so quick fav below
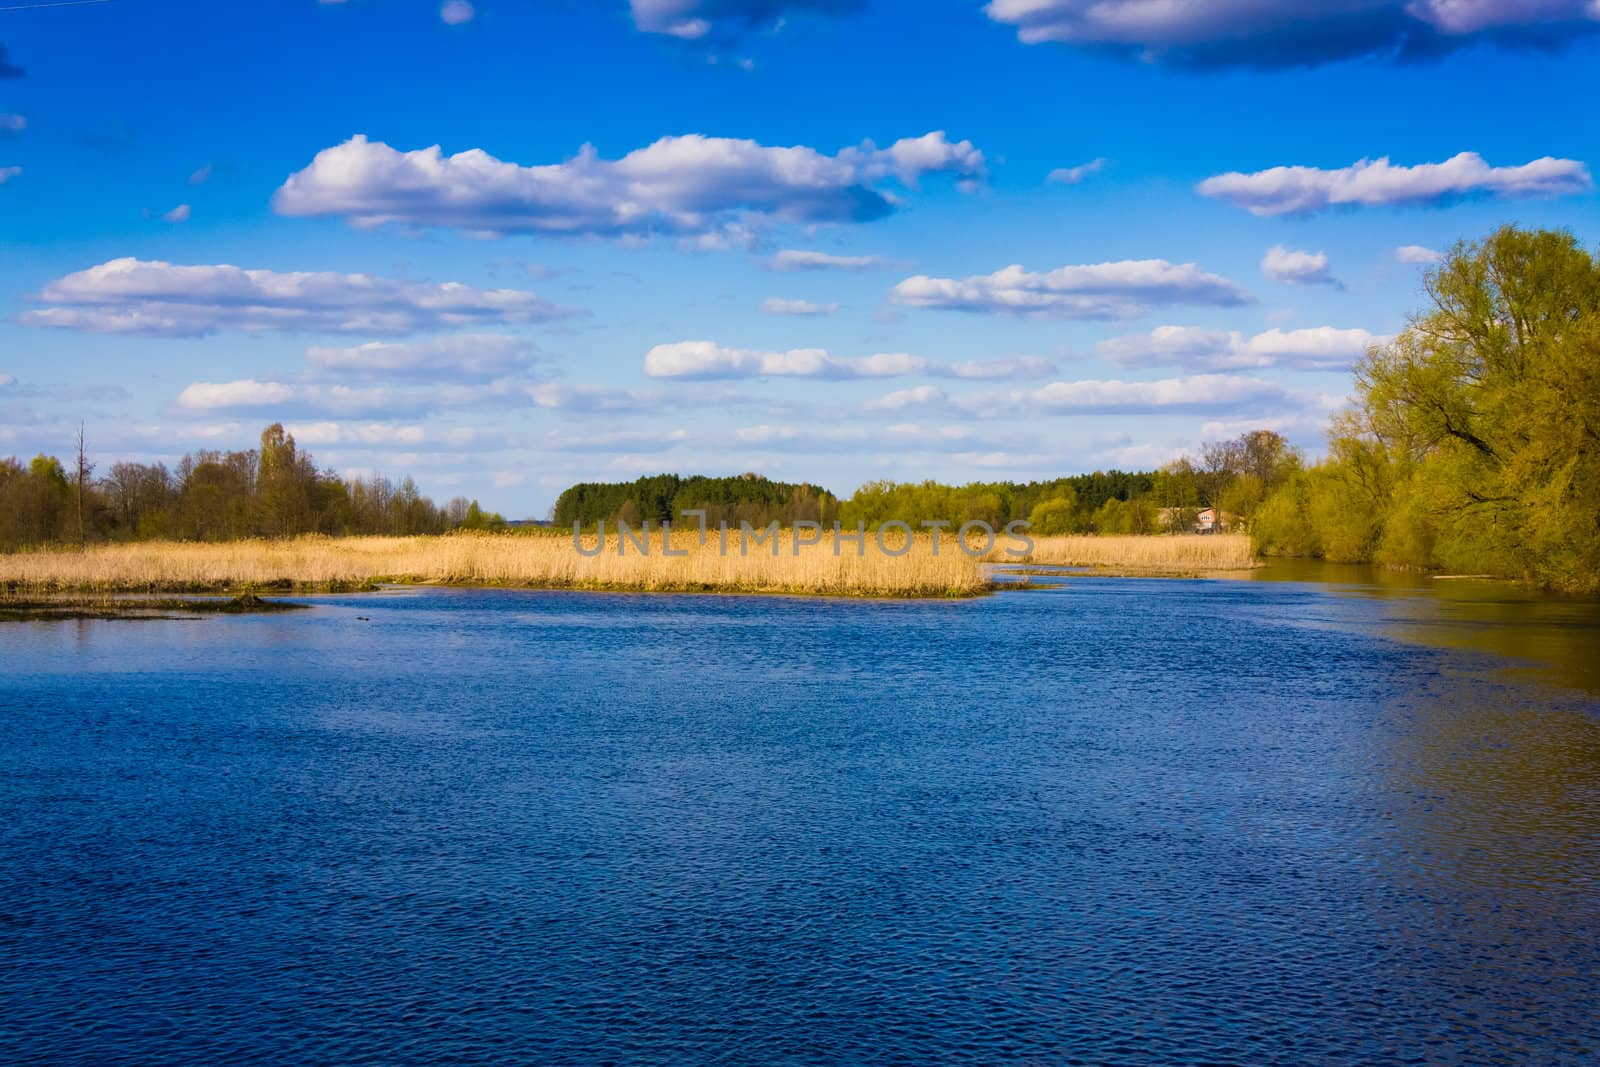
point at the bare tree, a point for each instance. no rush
(85, 468)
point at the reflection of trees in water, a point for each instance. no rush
(1487, 809)
(1554, 638)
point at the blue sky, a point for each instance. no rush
(217, 216)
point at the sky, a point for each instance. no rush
(507, 245)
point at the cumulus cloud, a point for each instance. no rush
(11, 124)
(915, 397)
(901, 437)
(178, 214)
(365, 434)
(1193, 392)
(1075, 175)
(691, 20)
(1210, 393)
(803, 308)
(1297, 268)
(152, 297)
(7, 379)
(456, 12)
(630, 441)
(790, 259)
(1417, 254)
(201, 174)
(467, 357)
(1374, 183)
(1091, 291)
(278, 399)
(1005, 368)
(1195, 349)
(1202, 34)
(7, 173)
(709, 361)
(687, 187)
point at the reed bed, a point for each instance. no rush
(1161, 554)
(499, 560)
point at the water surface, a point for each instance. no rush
(1113, 822)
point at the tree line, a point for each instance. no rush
(662, 498)
(1473, 443)
(276, 490)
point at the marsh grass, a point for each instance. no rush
(321, 563)
(1161, 554)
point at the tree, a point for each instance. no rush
(1474, 440)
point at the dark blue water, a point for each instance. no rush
(1121, 822)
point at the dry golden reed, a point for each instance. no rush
(503, 559)
(1162, 554)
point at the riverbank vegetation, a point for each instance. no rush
(1473, 444)
(276, 490)
(1189, 555)
(551, 562)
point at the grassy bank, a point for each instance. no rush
(1154, 555)
(315, 563)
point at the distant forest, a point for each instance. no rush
(1115, 501)
(276, 490)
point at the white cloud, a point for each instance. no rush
(1005, 368)
(630, 441)
(201, 175)
(1281, 33)
(1075, 175)
(1297, 268)
(687, 187)
(11, 124)
(245, 393)
(456, 12)
(7, 173)
(466, 357)
(790, 259)
(1371, 183)
(7, 379)
(178, 214)
(1193, 348)
(1209, 393)
(138, 296)
(691, 20)
(918, 396)
(1092, 291)
(1305, 426)
(1417, 254)
(366, 434)
(1186, 393)
(281, 399)
(709, 361)
(804, 308)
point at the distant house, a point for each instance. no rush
(1189, 520)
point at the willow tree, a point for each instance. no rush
(1486, 411)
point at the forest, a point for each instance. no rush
(662, 498)
(275, 490)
